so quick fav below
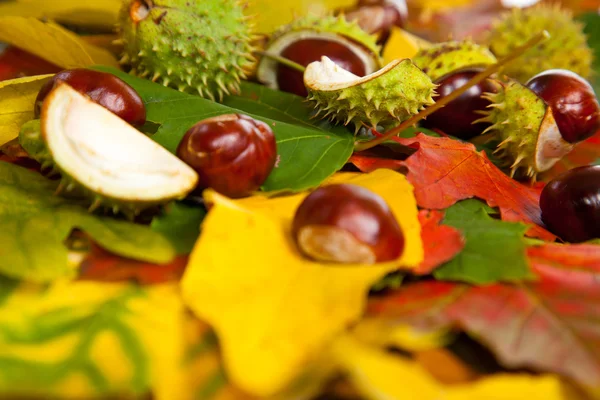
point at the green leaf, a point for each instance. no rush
(34, 224)
(494, 250)
(180, 223)
(307, 154)
(7, 286)
(591, 23)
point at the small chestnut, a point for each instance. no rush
(458, 117)
(347, 224)
(379, 17)
(306, 51)
(232, 154)
(572, 100)
(571, 204)
(103, 88)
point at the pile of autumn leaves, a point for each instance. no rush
(289, 327)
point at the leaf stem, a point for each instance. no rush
(480, 77)
(282, 60)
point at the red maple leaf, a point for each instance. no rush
(100, 265)
(444, 171)
(552, 324)
(15, 63)
(441, 242)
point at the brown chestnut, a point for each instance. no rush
(458, 117)
(306, 51)
(379, 17)
(347, 224)
(232, 154)
(103, 88)
(572, 100)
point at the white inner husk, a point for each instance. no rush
(107, 155)
(551, 147)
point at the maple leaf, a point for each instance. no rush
(444, 171)
(441, 243)
(101, 265)
(16, 63)
(549, 325)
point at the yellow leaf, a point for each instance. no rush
(16, 104)
(52, 43)
(380, 375)
(270, 15)
(97, 13)
(402, 44)
(273, 310)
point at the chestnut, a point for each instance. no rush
(458, 117)
(347, 224)
(103, 88)
(572, 100)
(232, 153)
(571, 204)
(306, 51)
(379, 17)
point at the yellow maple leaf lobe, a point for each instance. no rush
(273, 310)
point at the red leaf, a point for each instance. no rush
(368, 163)
(552, 324)
(101, 265)
(15, 63)
(444, 171)
(584, 153)
(441, 242)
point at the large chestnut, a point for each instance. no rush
(347, 224)
(571, 204)
(572, 100)
(103, 88)
(232, 154)
(306, 51)
(458, 117)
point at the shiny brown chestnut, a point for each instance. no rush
(232, 154)
(103, 88)
(458, 117)
(572, 100)
(347, 224)
(378, 17)
(571, 204)
(306, 51)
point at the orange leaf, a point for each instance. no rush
(441, 243)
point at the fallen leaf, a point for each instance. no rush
(180, 223)
(402, 44)
(444, 171)
(445, 367)
(91, 14)
(53, 43)
(441, 243)
(16, 104)
(380, 375)
(101, 265)
(34, 224)
(547, 325)
(274, 310)
(16, 63)
(585, 153)
(494, 251)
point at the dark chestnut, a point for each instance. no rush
(572, 100)
(232, 154)
(571, 204)
(458, 117)
(306, 51)
(347, 224)
(379, 17)
(103, 88)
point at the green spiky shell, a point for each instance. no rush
(32, 141)
(385, 98)
(446, 57)
(330, 24)
(516, 114)
(196, 46)
(328, 28)
(567, 47)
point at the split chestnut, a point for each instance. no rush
(102, 88)
(232, 154)
(347, 224)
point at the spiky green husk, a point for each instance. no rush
(30, 138)
(567, 47)
(384, 98)
(446, 57)
(516, 115)
(195, 46)
(330, 24)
